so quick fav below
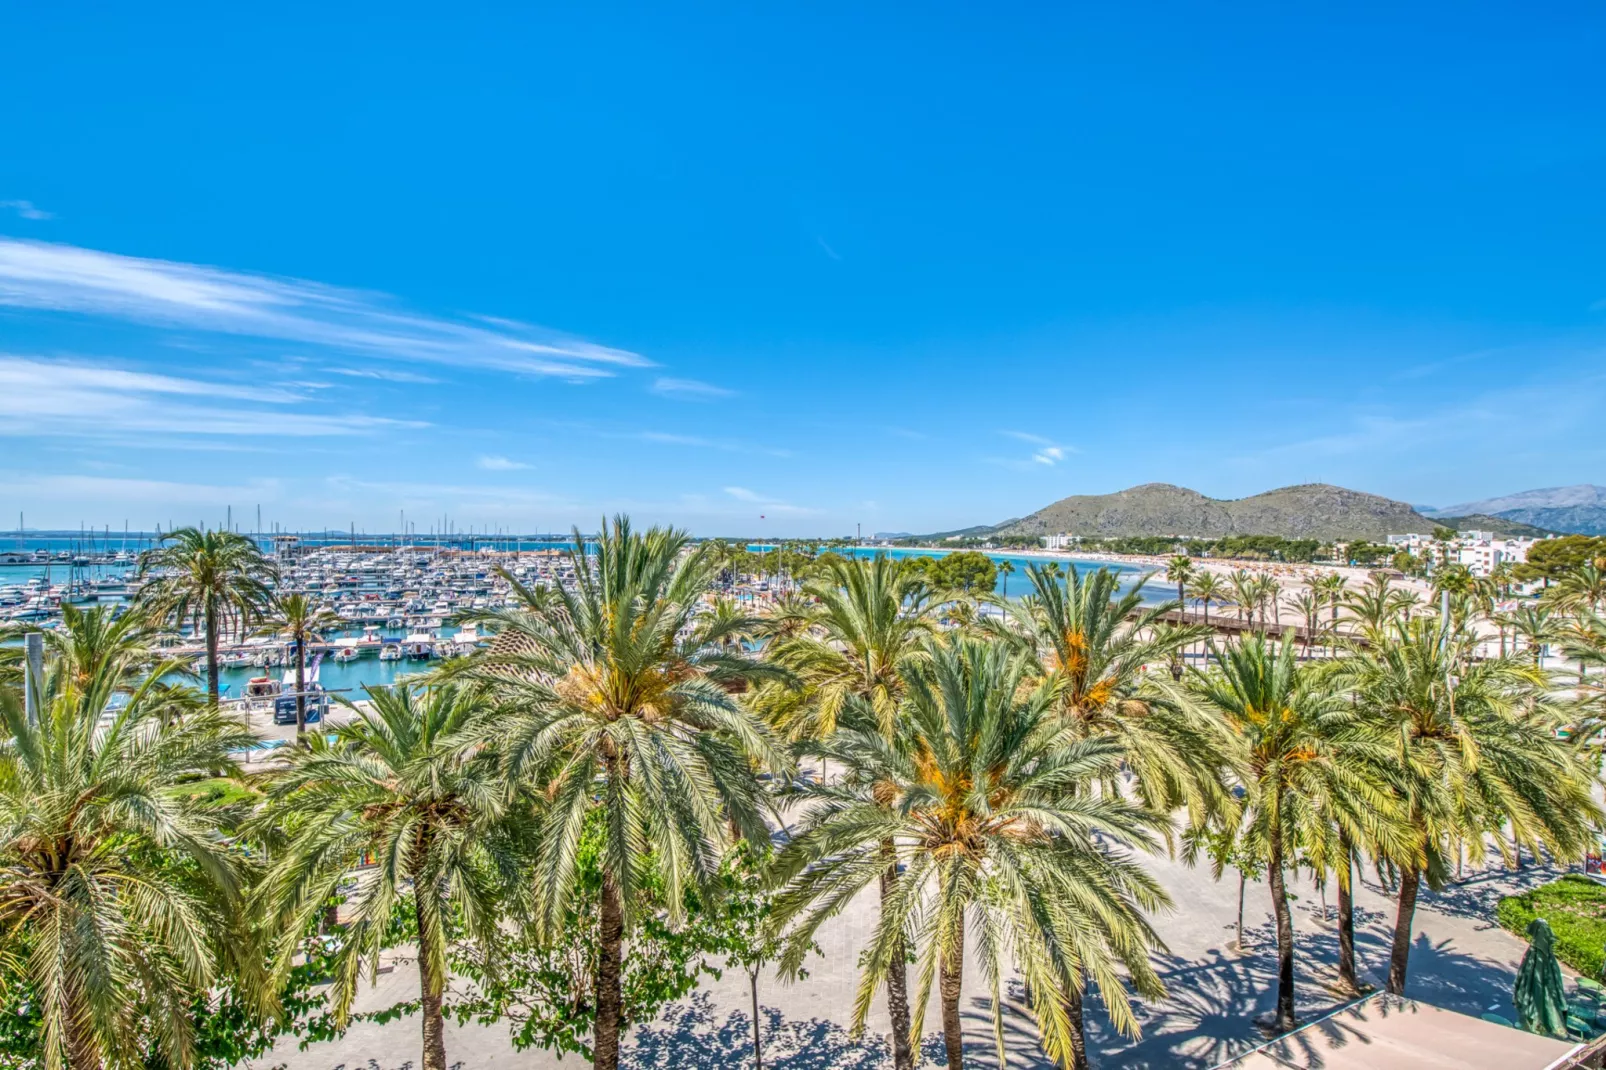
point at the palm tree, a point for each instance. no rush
(119, 900)
(1179, 570)
(304, 622)
(870, 621)
(405, 781)
(94, 643)
(1245, 594)
(618, 695)
(1374, 606)
(1006, 569)
(1204, 588)
(214, 579)
(1287, 734)
(1094, 648)
(1536, 625)
(1267, 590)
(1330, 586)
(1582, 586)
(997, 821)
(1475, 747)
(1309, 604)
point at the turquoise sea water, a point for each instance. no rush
(1018, 585)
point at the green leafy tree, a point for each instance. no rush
(406, 783)
(543, 983)
(1549, 559)
(618, 695)
(212, 579)
(995, 820)
(967, 572)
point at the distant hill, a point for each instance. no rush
(1499, 525)
(1307, 511)
(1578, 509)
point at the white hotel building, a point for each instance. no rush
(1479, 551)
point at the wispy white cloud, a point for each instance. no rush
(769, 504)
(155, 493)
(493, 463)
(27, 210)
(826, 246)
(67, 278)
(670, 438)
(1048, 455)
(389, 375)
(76, 398)
(690, 389)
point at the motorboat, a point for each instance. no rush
(317, 699)
(390, 652)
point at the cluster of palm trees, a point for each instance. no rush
(991, 780)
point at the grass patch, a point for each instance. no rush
(1575, 906)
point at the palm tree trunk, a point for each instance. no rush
(301, 689)
(609, 995)
(1285, 936)
(1073, 1012)
(212, 690)
(1346, 920)
(1400, 956)
(431, 986)
(950, 974)
(897, 973)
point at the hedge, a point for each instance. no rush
(1575, 906)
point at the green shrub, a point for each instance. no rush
(1575, 906)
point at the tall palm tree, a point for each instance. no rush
(305, 622)
(1475, 747)
(1288, 735)
(618, 695)
(1206, 587)
(869, 623)
(404, 781)
(119, 899)
(213, 579)
(1267, 590)
(1179, 570)
(997, 822)
(1006, 569)
(1093, 649)
(1309, 604)
(1245, 593)
(1330, 587)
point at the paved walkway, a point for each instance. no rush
(1460, 960)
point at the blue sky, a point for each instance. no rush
(910, 267)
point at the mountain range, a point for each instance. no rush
(1580, 508)
(1307, 511)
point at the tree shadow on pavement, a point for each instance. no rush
(694, 1034)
